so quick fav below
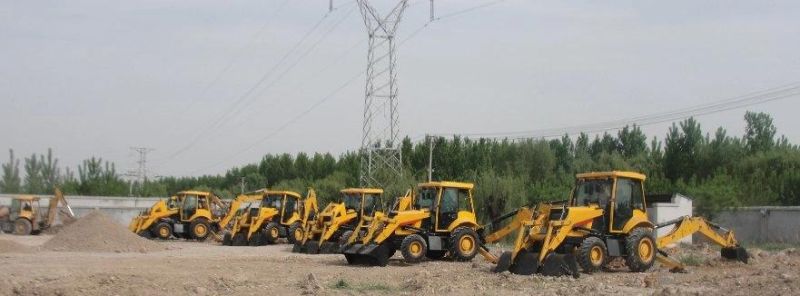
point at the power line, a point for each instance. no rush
(750, 99)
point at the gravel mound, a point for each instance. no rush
(97, 232)
(7, 246)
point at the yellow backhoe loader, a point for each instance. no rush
(604, 218)
(323, 234)
(23, 216)
(189, 214)
(440, 222)
(279, 214)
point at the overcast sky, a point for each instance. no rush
(93, 78)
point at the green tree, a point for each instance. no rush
(759, 133)
(11, 182)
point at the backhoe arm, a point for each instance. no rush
(58, 197)
(521, 217)
(310, 206)
(686, 226)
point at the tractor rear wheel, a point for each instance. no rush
(592, 254)
(162, 230)
(463, 244)
(22, 226)
(271, 233)
(641, 248)
(200, 229)
(413, 248)
(296, 233)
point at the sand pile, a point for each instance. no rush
(97, 232)
(7, 246)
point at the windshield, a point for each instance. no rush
(189, 202)
(596, 191)
(371, 202)
(426, 198)
(352, 201)
(272, 201)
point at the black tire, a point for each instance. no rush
(345, 237)
(641, 249)
(257, 239)
(464, 244)
(413, 248)
(592, 254)
(436, 255)
(162, 230)
(22, 226)
(271, 233)
(227, 239)
(291, 236)
(199, 229)
(240, 239)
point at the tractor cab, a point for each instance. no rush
(620, 195)
(192, 202)
(25, 206)
(286, 203)
(362, 201)
(449, 203)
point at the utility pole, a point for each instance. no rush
(430, 157)
(141, 171)
(381, 159)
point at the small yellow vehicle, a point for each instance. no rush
(604, 218)
(323, 234)
(188, 214)
(279, 214)
(24, 217)
(440, 223)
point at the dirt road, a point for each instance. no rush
(191, 268)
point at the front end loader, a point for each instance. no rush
(24, 217)
(605, 218)
(279, 214)
(440, 223)
(323, 234)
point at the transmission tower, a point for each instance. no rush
(140, 173)
(380, 143)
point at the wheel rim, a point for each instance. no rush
(163, 232)
(596, 255)
(298, 234)
(200, 230)
(645, 249)
(415, 248)
(274, 232)
(20, 228)
(466, 244)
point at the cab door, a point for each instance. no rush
(628, 199)
(289, 208)
(189, 207)
(451, 201)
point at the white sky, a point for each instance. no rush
(92, 78)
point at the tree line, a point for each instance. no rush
(716, 169)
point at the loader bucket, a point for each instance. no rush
(372, 254)
(735, 253)
(329, 248)
(526, 263)
(504, 262)
(311, 247)
(560, 265)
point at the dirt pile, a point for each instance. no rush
(7, 246)
(97, 232)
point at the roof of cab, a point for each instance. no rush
(611, 174)
(194, 192)
(25, 197)
(461, 185)
(362, 190)
(282, 192)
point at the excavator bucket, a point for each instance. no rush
(560, 265)
(328, 248)
(526, 263)
(504, 262)
(735, 253)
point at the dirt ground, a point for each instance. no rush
(193, 268)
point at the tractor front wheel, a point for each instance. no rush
(413, 248)
(162, 230)
(592, 254)
(22, 226)
(271, 233)
(296, 233)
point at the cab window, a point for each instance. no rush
(597, 191)
(628, 197)
(190, 202)
(291, 203)
(352, 201)
(426, 197)
(272, 201)
(370, 203)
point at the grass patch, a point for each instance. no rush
(343, 284)
(692, 260)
